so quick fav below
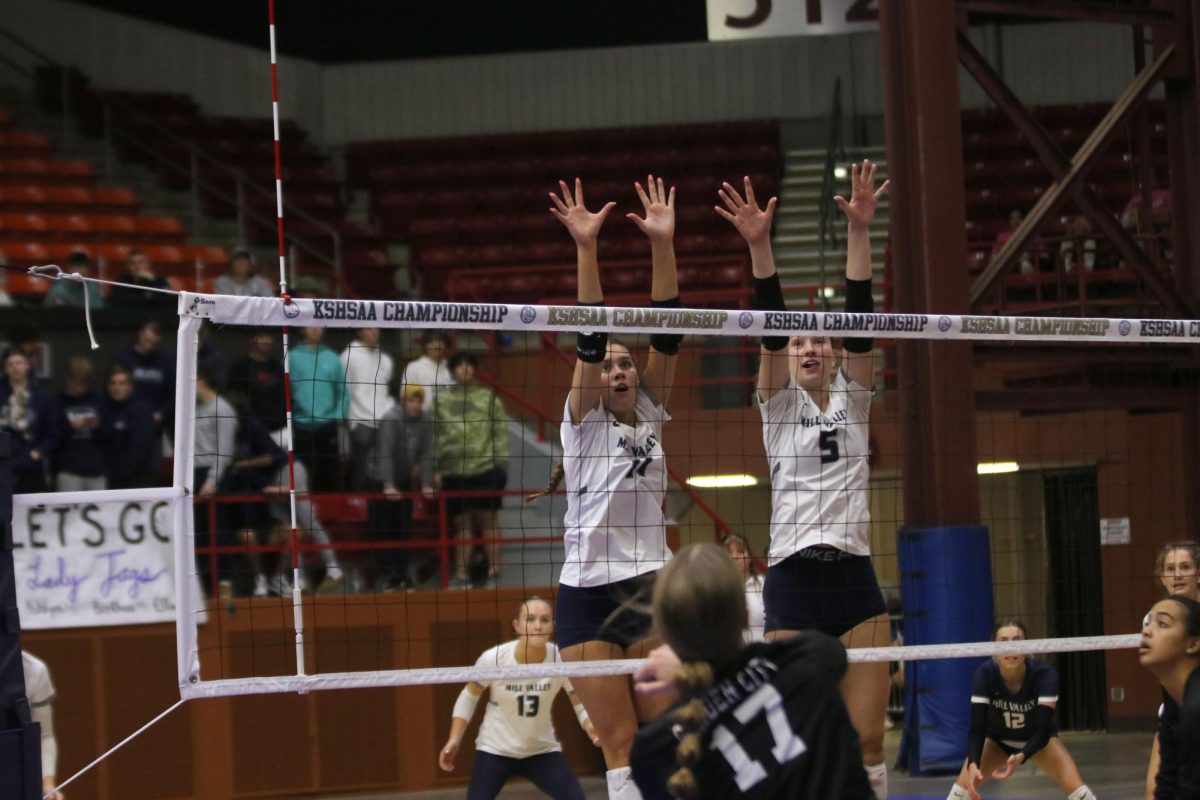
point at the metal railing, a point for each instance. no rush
(835, 153)
(114, 112)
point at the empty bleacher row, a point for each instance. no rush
(52, 207)
(161, 129)
(474, 209)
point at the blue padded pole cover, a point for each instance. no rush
(946, 591)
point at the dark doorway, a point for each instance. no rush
(1076, 598)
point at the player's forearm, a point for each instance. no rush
(858, 252)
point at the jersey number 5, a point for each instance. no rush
(527, 705)
(747, 771)
(829, 447)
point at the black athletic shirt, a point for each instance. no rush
(1179, 745)
(777, 727)
(1010, 713)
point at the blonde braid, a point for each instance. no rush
(692, 681)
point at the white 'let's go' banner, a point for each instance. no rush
(752, 19)
(94, 564)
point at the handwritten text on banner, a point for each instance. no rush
(96, 564)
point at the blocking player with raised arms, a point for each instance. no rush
(762, 720)
(613, 462)
(1012, 721)
(1176, 569)
(1170, 650)
(517, 736)
(815, 432)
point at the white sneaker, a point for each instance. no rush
(281, 585)
(260, 585)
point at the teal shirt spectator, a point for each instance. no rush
(318, 386)
(70, 293)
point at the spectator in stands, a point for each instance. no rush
(318, 407)
(255, 462)
(216, 423)
(28, 339)
(211, 356)
(153, 372)
(308, 524)
(129, 434)
(79, 456)
(140, 272)
(241, 279)
(27, 413)
(430, 370)
(1078, 244)
(258, 377)
(368, 372)
(1160, 212)
(1030, 257)
(400, 461)
(470, 449)
(71, 293)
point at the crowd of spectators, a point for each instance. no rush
(395, 435)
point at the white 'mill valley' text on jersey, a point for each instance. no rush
(819, 469)
(517, 721)
(616, 477)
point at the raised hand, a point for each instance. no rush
(660, 209)
(860, 208)
(975, 780)
(752, 222)
(583, 225)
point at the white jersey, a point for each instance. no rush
(517, 721)
(39, 689)
(756, 615)
(819, 469)
(616, 477)
(368, 372)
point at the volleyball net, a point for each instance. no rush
(345, 529)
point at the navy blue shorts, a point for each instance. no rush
(821, 588)
(618, 613)
(550, 772)
(494, 480)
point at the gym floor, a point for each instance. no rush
(1113, 764)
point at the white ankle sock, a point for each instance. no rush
(1082, 793)
(621, 785)
(877, 775)
(958, 793)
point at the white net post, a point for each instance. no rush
(183, 511)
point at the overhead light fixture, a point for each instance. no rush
(828, 291)
(997, 467)
(840, 173)
(721, 481)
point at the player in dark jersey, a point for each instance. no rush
(1176, 570)
(1170, 650)
(1012, 721)
(757, 720)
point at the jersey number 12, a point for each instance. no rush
(746, 770)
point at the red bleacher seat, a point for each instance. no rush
(114, 199)
(24, 254)
(210, 255)
(23, 199)
(23, 226)
(24, 144)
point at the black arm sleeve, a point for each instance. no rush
(859, 300)
(666, 343)
(1042, 723)
(1187, 740)
(768, 296)
(1167, 779)
(591, 348)
(979, 719)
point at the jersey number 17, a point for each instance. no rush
(747, 771)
